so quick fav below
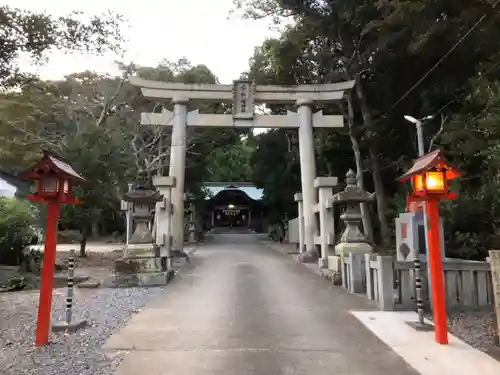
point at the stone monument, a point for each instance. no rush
(352, 240)
(141, 264)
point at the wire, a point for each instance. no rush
(440, 60)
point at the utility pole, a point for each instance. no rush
(417, 269)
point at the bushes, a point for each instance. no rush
(470, 224)
(17, 222)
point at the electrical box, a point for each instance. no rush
(411, 235)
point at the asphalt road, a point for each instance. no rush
(242, 308)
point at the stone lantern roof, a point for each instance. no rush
(142, 194)
(352, 193)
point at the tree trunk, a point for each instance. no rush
(380, 195)
(83, 241)
(377, 176)
(365, 211)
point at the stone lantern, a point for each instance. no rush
(142, 199)
(141, 264)
(353, 240)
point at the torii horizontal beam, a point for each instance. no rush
(290, 120)
(328, 92)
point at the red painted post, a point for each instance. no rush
(47, 281)
(436, 274)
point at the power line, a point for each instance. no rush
(440, 60)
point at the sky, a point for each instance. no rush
(200, 30)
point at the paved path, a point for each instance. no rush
(242, 308)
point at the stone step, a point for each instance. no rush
(137, 265)
(89, 284)
(61, 277)
(139, 279)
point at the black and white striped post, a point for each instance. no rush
(418, 288)
(69, 292)
(68, 325)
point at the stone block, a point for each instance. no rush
(345, 248)
(89, 284)
(334, 263)
(140, 279)
(141, 251)
(321, 182)
(164, 181)
(129, 266)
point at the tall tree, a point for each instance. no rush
(387, 47)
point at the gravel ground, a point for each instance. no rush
(76, 354)
(474, 327)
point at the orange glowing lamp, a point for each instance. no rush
(429, 176)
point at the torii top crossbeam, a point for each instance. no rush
(243, 95)
(257, 93)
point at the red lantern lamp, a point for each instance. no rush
(429, 176)
(54, 179)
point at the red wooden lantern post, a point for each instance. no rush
(54, 179)
(430, 175)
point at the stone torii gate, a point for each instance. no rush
(243, 95)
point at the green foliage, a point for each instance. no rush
(24, 31)
(276, 169)
(17, 282)
(17, 219)
(231, 162)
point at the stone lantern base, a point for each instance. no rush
(141, 266)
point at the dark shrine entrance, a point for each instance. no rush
(232, 217)
(233, 206)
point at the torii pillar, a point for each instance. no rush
(307, 175)
(177, 169)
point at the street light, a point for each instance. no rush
(420, 132)
(413, 120)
